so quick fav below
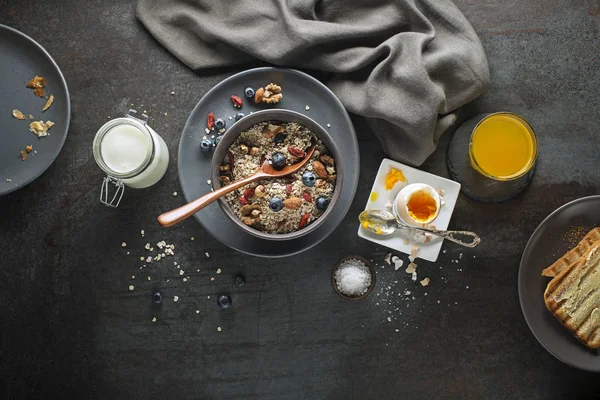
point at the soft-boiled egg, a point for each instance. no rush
(417, 204)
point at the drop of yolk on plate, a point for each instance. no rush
(393, 177)
(374, 196)
(421, 206)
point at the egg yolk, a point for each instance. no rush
(393, 177)
(374, 196)
(421, 206)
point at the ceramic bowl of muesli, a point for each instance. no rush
(281, 208)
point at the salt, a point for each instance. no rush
(353, 277)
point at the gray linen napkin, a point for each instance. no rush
(400, 63)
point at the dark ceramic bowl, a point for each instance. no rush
(371, 270)
(284, 116)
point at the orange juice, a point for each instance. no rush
(503, 146)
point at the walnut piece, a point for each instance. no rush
(271, 94)
(18, 114)
(40, 128)
(48, 103)
(38, 83)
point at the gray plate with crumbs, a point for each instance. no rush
(21, 58)
(299, 90)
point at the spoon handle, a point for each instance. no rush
(177, 215)
(454, 236)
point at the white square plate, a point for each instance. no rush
(397, 241)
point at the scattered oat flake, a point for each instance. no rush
(425, 282)
(398, 264)
(307, 108)
(389, 319)
(123, 244)
(148, 278)
(219, 328)
(18, 114)
(174, 193)
(212, 278)
(218, 270)
(175, 298)
(185, 279)
(153, 319)
(181, 272)
(131, 287)
(207, 255)
(415, 251)
(48, 103)
(412, 267)
(329, 125)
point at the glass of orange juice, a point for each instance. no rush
(503, 147)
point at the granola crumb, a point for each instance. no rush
(181, 272)
(207, 255)
(153, 319)
(132, 276)
(218, 328)
(212, 278)
(209, 181)
(123, 244)
(425, 282)
(148, 278)
(131, 287)
(218, 270)
(175, 298)
(197, 311)
(8, 180)
(174, 194)
(329, 125)
(307, 107)
(192, 238)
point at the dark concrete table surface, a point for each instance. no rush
(71, 328)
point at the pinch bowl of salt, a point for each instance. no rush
(353, 278)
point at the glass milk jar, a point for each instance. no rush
(131, 154)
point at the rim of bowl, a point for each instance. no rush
(282, 115)
(369, 265)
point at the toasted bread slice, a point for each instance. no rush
(574, 254)
(573, 296)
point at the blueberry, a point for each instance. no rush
(278, 160)
(239, 116)
(279, 138)
(218, 139)
(224, 301)
(220, 123)
(309, 179)
(206, 145)
(322, 203)
(276, 204)
(240, 280)
(157, 297)
(249, 92)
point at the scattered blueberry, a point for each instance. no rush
(278, 160)
(224, 301)
(240, 280)
(276, 204)
(279, 138)
(239, 116)
(249, 92)
(322, 203)
(206, 145)
(220, 123)
(157, 297)
(309, 179)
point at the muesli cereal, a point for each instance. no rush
(280, 205)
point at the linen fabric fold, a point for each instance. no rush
(402, 64)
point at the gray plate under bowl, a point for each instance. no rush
(544, 247)
(299, 90)
(21, 58)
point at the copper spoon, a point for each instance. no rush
(265, 171)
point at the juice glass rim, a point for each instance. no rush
(529, 164)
